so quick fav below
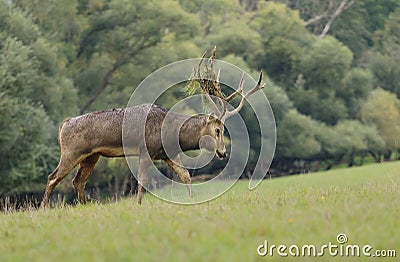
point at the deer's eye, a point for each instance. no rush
(217, 131)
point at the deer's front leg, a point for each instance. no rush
(181, 171)
(144, 164)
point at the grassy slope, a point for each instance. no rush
(362, 202)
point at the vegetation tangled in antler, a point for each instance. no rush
(205, 81)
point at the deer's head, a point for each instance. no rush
(213, 137)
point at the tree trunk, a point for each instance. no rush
(342, 7)
(376, 156)
(351, 159)
(134, 184)
(387, 154)
(116, 188)
(106, 81)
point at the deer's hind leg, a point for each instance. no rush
(66, 164)
(82, 175)
(181, 171)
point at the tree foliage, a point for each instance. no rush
(334, 90)
(382, 110)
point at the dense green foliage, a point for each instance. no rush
(335, 96)
(361, 202)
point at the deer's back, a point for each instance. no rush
(101, 132)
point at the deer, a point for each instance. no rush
(83, 139)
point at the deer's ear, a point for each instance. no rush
(211, 117)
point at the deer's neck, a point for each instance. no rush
(191, 132)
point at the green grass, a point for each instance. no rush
(363, 202)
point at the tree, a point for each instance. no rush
(212, 13)
(24, 133)
(226, 25)
(57, 19)
(326, 108)
(384, 60)
(297, 136)
(297, 143)
(357, 26)
(322, 69)
(32, 67)
(249, 5)
(382, 109)
(325, 65)
(283, 37)
(31, 90)
(280, 102)
(354, 26)
(346, 140)
(123, 33)
(354, 89)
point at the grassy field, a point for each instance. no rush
(362, 202)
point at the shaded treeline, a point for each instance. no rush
(333, 68)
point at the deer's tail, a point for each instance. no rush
(59, 129)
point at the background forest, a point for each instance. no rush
(333, 75)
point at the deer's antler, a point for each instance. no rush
(210, 85)
(203, 80)
(240, 91)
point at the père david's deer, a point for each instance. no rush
(83, 139)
